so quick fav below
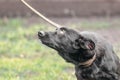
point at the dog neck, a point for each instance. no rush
(88, 62)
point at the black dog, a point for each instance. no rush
(92, 55)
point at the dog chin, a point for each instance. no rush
(50, 45)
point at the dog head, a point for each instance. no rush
(66, 40)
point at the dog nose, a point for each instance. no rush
(41, 33)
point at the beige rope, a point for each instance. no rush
(42, 16)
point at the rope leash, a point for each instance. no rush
(40, 15)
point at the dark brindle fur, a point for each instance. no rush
(92, 55)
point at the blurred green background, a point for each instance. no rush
(23, 57)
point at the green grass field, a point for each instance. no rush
(23, 57)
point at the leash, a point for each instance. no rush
(40, 15)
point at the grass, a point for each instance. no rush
(23, 57)
(92, 25)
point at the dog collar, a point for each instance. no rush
(88, 62)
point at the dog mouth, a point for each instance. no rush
(44, 38)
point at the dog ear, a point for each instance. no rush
(84, 44)
(87, 44)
